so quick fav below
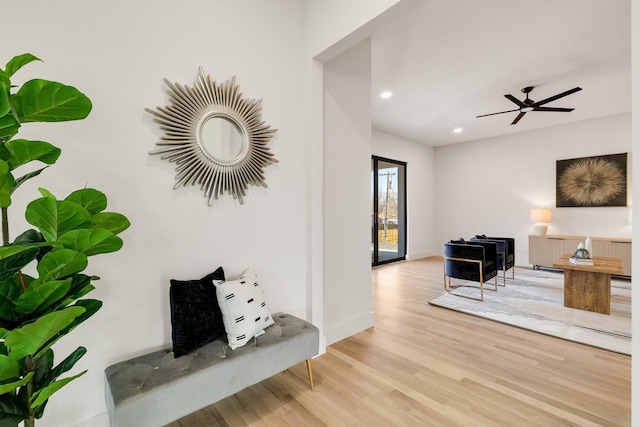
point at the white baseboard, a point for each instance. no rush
(101, 420)
(418, 255)
(323, 345)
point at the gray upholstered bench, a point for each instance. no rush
(157, 388)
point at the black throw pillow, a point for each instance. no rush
(195, 315)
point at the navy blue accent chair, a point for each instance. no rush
(475, 261)
(506, 254)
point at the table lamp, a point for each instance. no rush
(541, 216)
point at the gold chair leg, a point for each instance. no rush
(445, 282)
(481, 282)
(504, 270)
(310, 373)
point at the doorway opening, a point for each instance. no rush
(388, 213)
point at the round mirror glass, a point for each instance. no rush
(222, 139)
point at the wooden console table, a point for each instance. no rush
(545, 250)
(588, 287)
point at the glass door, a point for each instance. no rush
(388, 213)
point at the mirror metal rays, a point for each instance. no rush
(215, 136)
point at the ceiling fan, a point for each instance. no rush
(530, 105)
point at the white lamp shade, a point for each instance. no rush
(541, 215)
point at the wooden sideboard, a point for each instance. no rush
(545, 250)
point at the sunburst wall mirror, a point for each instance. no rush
(216, 137)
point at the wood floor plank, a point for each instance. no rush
(429, 366)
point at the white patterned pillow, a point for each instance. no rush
(244, 311)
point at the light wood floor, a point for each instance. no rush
(422, 365)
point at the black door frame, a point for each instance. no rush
(402, 211)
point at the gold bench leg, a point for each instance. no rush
(310, 373)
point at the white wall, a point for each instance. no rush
(488, 187)
(336, 25)
(420, 189)
(347, 208)
(118, 52)
(333, 27)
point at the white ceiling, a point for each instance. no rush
(449, 61)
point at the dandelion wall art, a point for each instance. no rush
(592, 181)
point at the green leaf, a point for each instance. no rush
(14, 258)
(74, 295)
(10, 291)
(4, 153)
(6, 184)
(90, 306)
(8, 368)
(18, 62)
(46, 101)
(12, 410)
(30, 338)
(8, 126)
(59, 293)
(41, 396)
(34, 239)
(91, 242)
(66, 365)
(5, 105)
(54, 218)
(9, 387)
(29, 237)
(24, 151)
(47, 193)
(112, 221)
(42, 369)
(80, 286)
(6, 81)
(26, 177)
(40, 296)
(82, 280)
(61, 263)
(43, 214)
(92, 200)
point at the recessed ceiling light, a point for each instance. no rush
(457, 130)
(385, 95)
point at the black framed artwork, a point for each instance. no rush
(592, 181)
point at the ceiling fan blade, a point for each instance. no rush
(501, 112)
(515, 100)
(518, 117)
(559, 110)
(558, 96)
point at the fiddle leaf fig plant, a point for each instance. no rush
(43, 282)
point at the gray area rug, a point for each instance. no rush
(534, 300)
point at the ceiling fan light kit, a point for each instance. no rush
(529, 105)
